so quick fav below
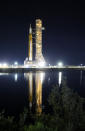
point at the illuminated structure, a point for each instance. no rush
(30, 53)
(29, 59)
(39, 57)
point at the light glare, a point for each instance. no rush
(5, 65)
(60, 64)
(15, 63)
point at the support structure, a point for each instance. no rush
(39, 57)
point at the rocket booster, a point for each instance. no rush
(30, 45)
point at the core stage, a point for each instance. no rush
(22, 69)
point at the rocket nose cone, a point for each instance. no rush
(30, 29)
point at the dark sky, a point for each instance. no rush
(63, 38)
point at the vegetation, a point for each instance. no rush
(67, 114)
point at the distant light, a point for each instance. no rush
(60, 64)
(4, 64)
(15, 63)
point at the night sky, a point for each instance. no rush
(63, 38)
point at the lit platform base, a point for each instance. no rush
(22, 69)
(29, 64)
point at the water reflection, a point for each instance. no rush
(29, 78)
(59, 78)
(1, 74)
(81, 78)
(38, 78)
(16, 77)
(30, 83)
(28, 92)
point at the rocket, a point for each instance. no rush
(30, 52)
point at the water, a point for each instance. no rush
(32, 89)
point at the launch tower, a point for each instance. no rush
(39, 57)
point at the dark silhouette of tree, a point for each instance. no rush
(67, 114)
(68, 107)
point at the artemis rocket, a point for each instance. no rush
(30, 45)
(39, 56)
(39, 59)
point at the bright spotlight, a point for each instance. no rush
(60, 64)
(16, 63)
(5, 64)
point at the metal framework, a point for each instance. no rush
(39, 56)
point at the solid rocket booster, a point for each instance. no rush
(30, 45)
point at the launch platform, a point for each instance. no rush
(39, 59)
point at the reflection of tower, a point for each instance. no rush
(30, 52)
(38, 81)
(39, 57)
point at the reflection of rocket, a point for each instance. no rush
(39, 77)
(30, 89)
(30, 45)
(29, 78)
